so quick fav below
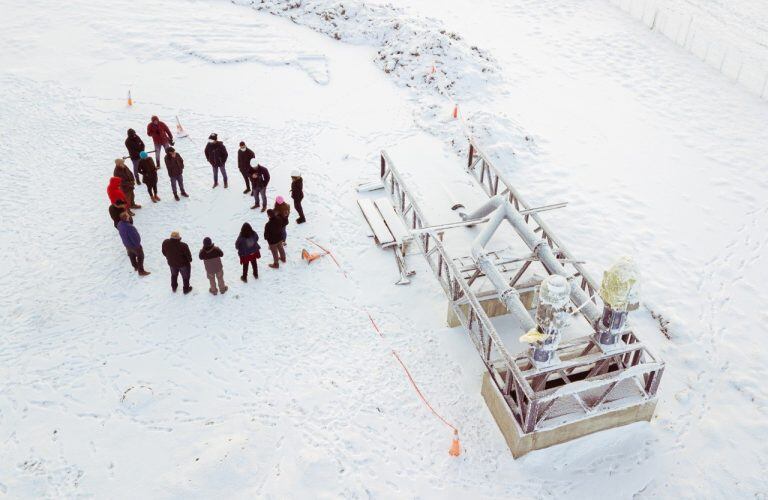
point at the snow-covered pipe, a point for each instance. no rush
(509, 296)
(503, 209)
(486, 208)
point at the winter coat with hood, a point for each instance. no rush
(261, 178)
(297, 188)
(176, 252)
(115, 212)
(129, 234)
(244, 159)
(175, 165)
(211, 257)
(216, 153)
(134, 144)
(159, 132)
(127, 182)
(114, 192)
(247, 245)
(148, 169)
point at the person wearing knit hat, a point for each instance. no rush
(297, 193)
(244, 157)
(148, 170)
(273, 233)
(282, 212)
(216, 154)
(178, 256)
(127, 182)
(211, 256)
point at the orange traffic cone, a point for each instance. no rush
(455, 450)
(309, 257)
(455, 110)
(130, 101)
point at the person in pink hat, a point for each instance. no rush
(282, 212)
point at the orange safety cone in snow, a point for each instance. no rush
(130, 101)
(309, 257)
(455, 110)
(455, 450)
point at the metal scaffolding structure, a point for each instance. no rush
(585, 377)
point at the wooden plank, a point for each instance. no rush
(376, 222)
(393, 222)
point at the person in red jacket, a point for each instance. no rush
(116, 193)
(161, 136)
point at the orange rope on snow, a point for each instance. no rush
(421, 395)
(455, 448)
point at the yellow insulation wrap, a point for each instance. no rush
(620, 284)
(533, 335)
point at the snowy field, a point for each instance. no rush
(111, 386)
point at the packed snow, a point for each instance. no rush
(113, 386)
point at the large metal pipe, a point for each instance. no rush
(503, 209)
(509, 296)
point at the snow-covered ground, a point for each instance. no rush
(112, 386)
(727, 35)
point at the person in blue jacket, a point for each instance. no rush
(247, 245)
(132, 242)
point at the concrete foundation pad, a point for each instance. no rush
(520, 444)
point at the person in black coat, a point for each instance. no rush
(297, 193)
(259, 179)
(175, 165)
(178, 256)
(273, 233)
(244, 157)
(216, 154)
(135, 146)
(148, 171)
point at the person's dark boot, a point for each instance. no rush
(282, 259)
(264, 209)
(135, 207)
(244, 278)
(275, 265)
(255, 207)
(184, 194)
(215, 184)
(256, 275)
(247, 191)
(176, 197)
(174, 288)
(187, 289)
(301, 220)
(225, 184)
(142, 272)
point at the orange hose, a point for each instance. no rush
(396, 356)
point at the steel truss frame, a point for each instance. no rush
(587, 381)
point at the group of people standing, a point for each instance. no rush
(177, 253)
